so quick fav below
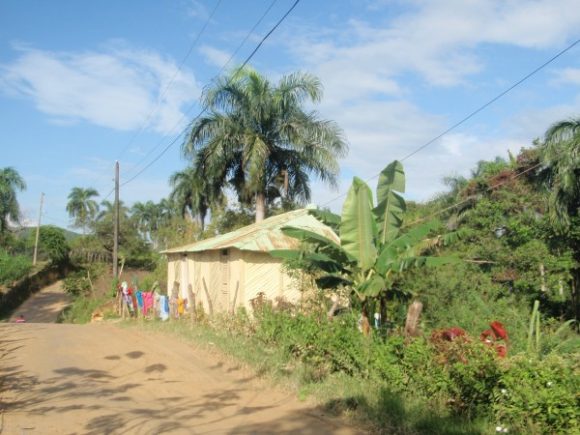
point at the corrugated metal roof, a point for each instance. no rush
(263, 236)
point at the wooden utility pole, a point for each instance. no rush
(37, 230)
(116, 225)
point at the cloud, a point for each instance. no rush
(118, 87)
(568, 76)
(214, 56)
(377, 73)
(435, 41)
(197, 9)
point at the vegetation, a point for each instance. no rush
(10, 183)
(12, 267)
(372, 253)
(514, 262)
(258, 139)
(81, 207)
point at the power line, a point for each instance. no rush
(475, 112)
(166, 88)
(192, 106)
(177, 71)
(471, 197)
(205, 108)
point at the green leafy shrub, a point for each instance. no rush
(535, 395)
(12, 268)
(77, 283)
(53, 243)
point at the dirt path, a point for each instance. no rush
(44, 306)
(100, 379)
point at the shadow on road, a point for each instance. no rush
(111, 402)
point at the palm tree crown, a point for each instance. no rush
(10, 183)
(81, 207)
(560, 156)
(258, 138)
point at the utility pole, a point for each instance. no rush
(116, 225)
(37, 230)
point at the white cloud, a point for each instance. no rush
(367, 70)
(568, 76)
(196, 9)
(434, 40)
(214, 56)
(116, 88)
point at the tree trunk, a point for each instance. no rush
(365, 325)
(412, 322)
(260, 206)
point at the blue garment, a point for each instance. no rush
(163, 307)
(139, 297)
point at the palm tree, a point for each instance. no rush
(10, 183)
(258, 138)
(107, 211)
(192, 194)
(81, 207)
(143, 215)
(560, 173)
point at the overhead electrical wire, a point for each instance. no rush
(192, 106)
(475, 112)
(168, 85)
(248, 58)
(250, 32)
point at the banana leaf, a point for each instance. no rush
(358, 228)
(391, 206)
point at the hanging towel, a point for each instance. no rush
(147, 301)
(163, 308)
(139, 296)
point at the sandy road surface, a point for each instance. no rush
(45, 305)
(100, 379)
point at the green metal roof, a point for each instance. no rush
(262, 236)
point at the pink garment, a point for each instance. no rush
(147, 301)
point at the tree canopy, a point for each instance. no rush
(259, 139)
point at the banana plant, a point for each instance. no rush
(373, 251)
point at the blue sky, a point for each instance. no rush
(85, 83)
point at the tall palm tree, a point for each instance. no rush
(143, 215)
(560, 173)
(259, 138)
(192, 194)
(10, 183)
(81, 207)
(107, 211)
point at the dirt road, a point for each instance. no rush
(44, 306)
(101, 379)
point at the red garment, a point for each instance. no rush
(147, 301)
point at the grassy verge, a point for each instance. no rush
(365, 401)
(80, 310)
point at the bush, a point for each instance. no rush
(535, 395)
(77, 283)
(12, 268)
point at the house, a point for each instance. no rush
(228, 271)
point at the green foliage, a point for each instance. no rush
(534, 396)
(77, 284)
(372, 253)
(258, 139)
(81, 309)
(52, 242)
(10, 183)
(13, 267)
(81, 207)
